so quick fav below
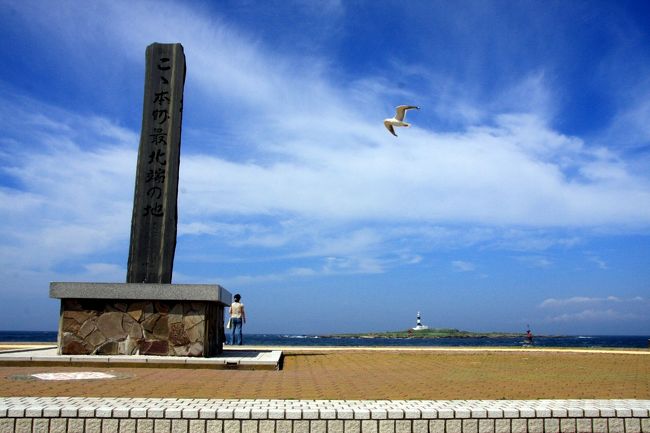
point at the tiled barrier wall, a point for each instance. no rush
(127, 415)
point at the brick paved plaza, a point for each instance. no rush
(370, 374)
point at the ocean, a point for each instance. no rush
(584, 341)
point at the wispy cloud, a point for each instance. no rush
(388, 181)
(598, 261)
(508, 169)
(535, 261)
(328, 267)
(595, 312)
(592, 315)
(463, 266)
(104, 272)
(581, 300)
(64, 200)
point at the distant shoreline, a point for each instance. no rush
(431, 337)
(434, 333)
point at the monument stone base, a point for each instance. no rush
(141, 319)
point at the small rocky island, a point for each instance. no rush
(429, 333)
(423, 331)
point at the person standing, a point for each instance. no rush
(529, 336)
(238, 316)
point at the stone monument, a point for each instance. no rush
(153, 227)
(148, 315)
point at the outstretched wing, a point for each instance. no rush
(390, 128)
(400, 111)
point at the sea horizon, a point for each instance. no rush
(299, 339)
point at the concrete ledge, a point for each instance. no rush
(229, 359)
(176, 292)
(104, 415)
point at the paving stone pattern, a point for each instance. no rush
(363, 375)
(144, 415)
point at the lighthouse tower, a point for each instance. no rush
(418, 324)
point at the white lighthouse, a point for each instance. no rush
(418, 324)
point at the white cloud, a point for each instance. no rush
(535, 261)
(596, 311)
(630, 127)
(68, 200)
(333, 158)
(104, 272)
(598, 261)
(463, 266)
(578, 300)
(330, 266)
(476, 178)
(594, 315)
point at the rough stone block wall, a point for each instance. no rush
(127, 327)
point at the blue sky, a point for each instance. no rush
(521, 195)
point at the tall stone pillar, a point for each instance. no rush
(153, 226)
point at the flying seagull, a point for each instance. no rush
(398, 120)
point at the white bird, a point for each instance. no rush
(398, 120)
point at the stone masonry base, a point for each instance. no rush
(140, 319)
(128, 415)
(140, 327)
